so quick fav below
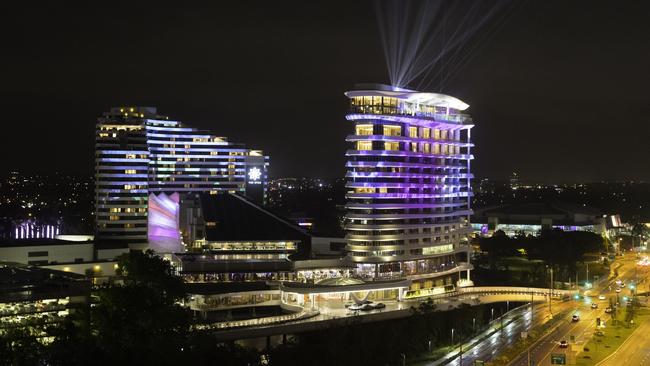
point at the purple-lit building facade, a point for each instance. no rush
(140, 154)
(408, 186)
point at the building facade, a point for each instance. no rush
(139, 152)
(408, 186)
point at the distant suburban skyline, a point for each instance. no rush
(559, 93)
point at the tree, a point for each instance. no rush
(139, 322)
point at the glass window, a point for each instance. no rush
(364, 130)
(364, 145)
(388, 145)
(391, 130)
(426, 133)
(413, 132)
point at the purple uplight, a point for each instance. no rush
(163, 228)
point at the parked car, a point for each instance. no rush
(594, 305)
(564, 344)
(575, 318)
(355, 307)
(600, 333)
(379, 305)
(367, 307)
(618, 289)
(608, 310)
(602, 297)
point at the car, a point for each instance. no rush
(618, 290)
(602, 297)
(623, 284)
(379, 305)
(564, 344)
(356, 307)
(600, 333)
(594, 305)
(608, 310)
(367, 307)
(575, 318)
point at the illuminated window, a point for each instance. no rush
(436, 134)
(383, 190)
(426, 147)
(413, 132)
(436, 148)
(210, 224)
(390, 130)
(113, 218)
(115, 209)
(414, 146)
(390, 102)
(130, 156)
(389, 145)
(129, 186)
(426, 133)
(365, 190)
(129, 171)
(364, 145)
(364, 130)
(103, 135)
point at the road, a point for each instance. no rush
(492, 346)
(581, 330)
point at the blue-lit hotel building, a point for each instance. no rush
(408, 186)
(139, 153)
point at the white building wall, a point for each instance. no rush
(61, 253)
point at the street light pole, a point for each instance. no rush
(452, 338)
(550, 297)
(460, 356)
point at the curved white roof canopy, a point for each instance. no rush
(432, 99)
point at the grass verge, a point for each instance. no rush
(600, 347)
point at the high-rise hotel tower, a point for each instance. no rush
(408, 186)
(139, 153)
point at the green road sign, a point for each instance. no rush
(558, 359)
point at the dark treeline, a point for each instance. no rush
(383, 343)
(560, 250)
(137, 322)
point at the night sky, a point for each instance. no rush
(559, 94)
